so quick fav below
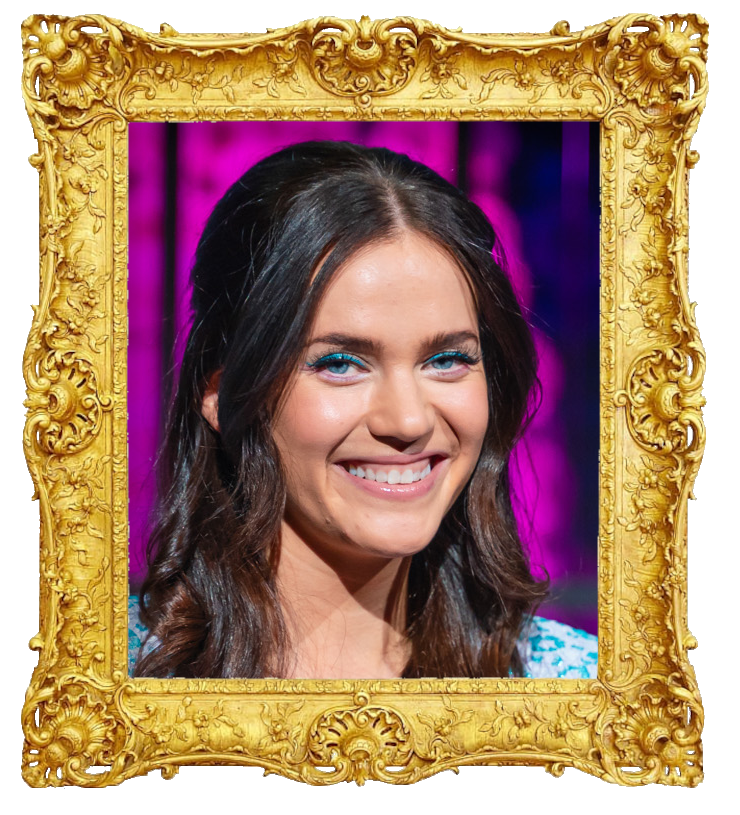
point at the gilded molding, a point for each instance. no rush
(644, 79)
(365, 59)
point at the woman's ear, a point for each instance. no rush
(209, 405)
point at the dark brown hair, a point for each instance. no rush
(210, 601)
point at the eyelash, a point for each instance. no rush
(322, 363)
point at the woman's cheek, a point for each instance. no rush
(323, 416)
(466, 409)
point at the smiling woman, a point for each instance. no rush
(379, 444)
(335, 497)
(379, 433)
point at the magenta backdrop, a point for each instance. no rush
(551, 228)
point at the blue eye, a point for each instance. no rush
(337, 364)
(443, 363)
(448, 359)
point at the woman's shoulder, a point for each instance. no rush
(557, 651)
(137, 633)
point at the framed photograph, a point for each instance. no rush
(575, 149)
(537, 182)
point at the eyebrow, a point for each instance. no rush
(364, 345)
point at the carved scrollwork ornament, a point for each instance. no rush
(664, 401)
(361, 742)
(643, 77)
(69, 66)
(659, 733)
(70, 727)
(364, 59)
(654, 66)
(65, 408)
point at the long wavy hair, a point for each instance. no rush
(210, 599)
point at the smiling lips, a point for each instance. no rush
(394, 476)
(390, 474)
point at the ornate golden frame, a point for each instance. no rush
(644, 79)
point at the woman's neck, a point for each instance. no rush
(345, 616)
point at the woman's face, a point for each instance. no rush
(383, 425)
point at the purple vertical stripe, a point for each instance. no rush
(539, 466)
(146, 270)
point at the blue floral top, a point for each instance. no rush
(550, 650)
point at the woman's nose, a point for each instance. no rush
(401, 408)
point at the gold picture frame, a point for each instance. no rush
(85, 721)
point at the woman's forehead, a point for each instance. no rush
(388, 284)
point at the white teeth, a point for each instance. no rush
(393, 476)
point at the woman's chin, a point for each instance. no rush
(389, 547)
(352, 540)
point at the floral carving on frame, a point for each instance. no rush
(643, 78)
